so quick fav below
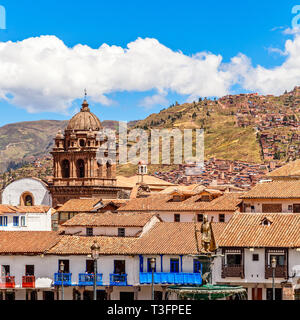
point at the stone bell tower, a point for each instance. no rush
(77, 171)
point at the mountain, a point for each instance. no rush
(246, 127)
(23, 142)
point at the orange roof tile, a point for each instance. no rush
(79, 205)
(279, 189)
(27, 242)
(109, 219)
(247, 230)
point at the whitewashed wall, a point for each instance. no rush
(12, 193)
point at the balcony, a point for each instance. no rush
(116, 279)
(66, 277)
(7, 282)
(170, 278)
(87, 279)
(233, 271)
(280, 272)
(28, 282)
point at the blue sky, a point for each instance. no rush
(224, 28)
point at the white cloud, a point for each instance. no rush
(155, 99)
(43, 74)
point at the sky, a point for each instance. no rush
(138, 57)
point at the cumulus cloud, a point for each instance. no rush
(43, 74)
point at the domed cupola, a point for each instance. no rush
(84, 120)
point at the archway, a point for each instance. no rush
(65, 169)
(108, 170)
(80, 168)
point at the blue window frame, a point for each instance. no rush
(174, 265)
(15, 221)
(149, 265)
(197, 266)
(4, 221)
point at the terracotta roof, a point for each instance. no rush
(130, 182)
(26, 242)
(163, 202)
(172, 238)
(81, 245)
(290, 169)
(79, 205)
(163, 238)
(5, 209)
(109, 219)
(283, 189)
(246, 230)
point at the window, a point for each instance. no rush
(197, 266)
(149, 265)
(65, 169)
(279, 259)
(255, 257)
(234, 259)
(23, 224)
(119, 266)
(200, 217)
(290, 207)
(278, 294)
(252, 209)
(89, 266)
(29, 270)
(121, 232)
(80, 168)
(15, 221)
(66, 265)
(176, 217)
(5, 270)
(296, 208)
(28, 201)
(174, 265)
(3, 221)
(205, 198)
(89, 232)
(221, 217)
(81, 143)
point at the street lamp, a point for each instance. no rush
(61, 270)
(95, 248)
(152, 265)
(273, 264)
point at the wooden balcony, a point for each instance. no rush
(280, 272)
(233, 271)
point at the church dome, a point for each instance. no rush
(84, 120)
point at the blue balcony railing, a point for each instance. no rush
(87, 279)
(66, 277)
(118, 279)
(171, 278)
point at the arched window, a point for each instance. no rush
(65, 169)
(80, 168)
(81, 143)
(27, 199)
(108, 170)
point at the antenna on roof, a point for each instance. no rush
(85, 94)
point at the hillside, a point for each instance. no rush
(244, 127)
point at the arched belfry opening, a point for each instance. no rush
(65, 168)
(80, 168)
(108, 170)
(27, 199)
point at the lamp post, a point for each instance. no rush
(61, 270)
(152, 264)
(95, 248)
(273, 264)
